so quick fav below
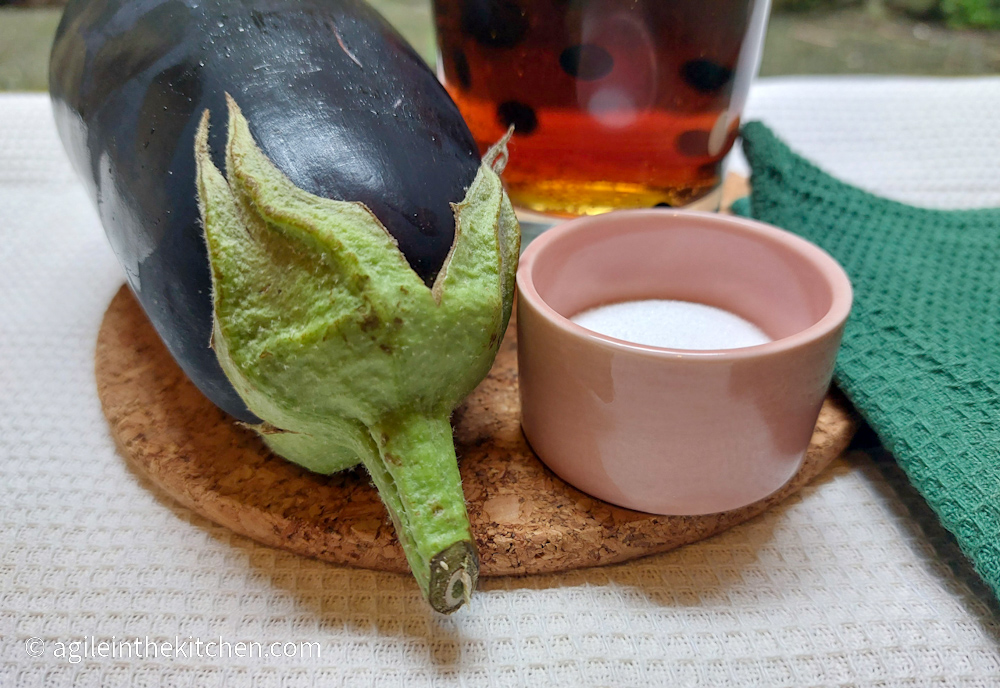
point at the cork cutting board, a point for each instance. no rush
(525, 519)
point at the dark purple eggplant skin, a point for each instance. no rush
(334, 97)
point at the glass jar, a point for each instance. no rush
(615, 103)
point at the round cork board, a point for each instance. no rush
(525, 519)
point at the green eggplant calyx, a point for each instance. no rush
(331, 338)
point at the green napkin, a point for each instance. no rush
(921, 351)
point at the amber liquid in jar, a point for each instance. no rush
(615, 103)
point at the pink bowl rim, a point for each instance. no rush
(816, 257)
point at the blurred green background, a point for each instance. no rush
(930, 37)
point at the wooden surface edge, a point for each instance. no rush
(170, 459)
(525, 519)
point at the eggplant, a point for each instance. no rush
(335, 97)
(303, 215)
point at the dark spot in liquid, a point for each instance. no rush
(706, 76)
(462, 71)
(709, 171)
(494, 23)
(693, 143)
(586, 62)
(520, 115)
(663, 204)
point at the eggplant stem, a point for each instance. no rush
(416, 472)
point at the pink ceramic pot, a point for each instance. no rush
(673, 431)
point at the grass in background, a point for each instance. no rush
(856, 41)
(25, 39)
(849, 40)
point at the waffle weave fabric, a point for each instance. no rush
(851, 582)
(921, 351)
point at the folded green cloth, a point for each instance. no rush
(921, 351)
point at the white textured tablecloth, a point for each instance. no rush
(851, 582)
